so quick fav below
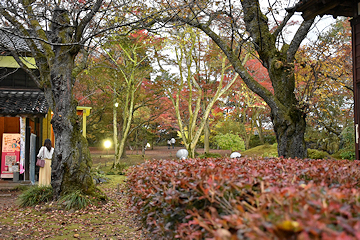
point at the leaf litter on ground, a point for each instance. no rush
(110, 220)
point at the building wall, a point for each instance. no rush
(355, 23)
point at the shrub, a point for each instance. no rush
(75, 200)
(243, 198)
(348, 138)
(265, 150)
(348, 154)
(317, 154)
(230, 141)
(210, 155)
(99, 176)
(255, 140)
(121, 167)
(35, 195)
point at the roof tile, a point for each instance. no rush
(19, 102)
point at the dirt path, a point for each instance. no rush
(157, 152)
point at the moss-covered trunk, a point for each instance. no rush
(288, 119)
(71, 161)
(290, 129)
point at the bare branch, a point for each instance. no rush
(298, 38)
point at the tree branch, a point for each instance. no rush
(298, 38)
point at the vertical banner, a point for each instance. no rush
(10, 154)
(22, 144)
(32, 158)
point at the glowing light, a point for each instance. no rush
(107, 144)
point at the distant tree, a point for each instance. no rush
(324, 85)
(122, 72)
(235, 25)
(192, 96)
(247, 108)
(324, 79)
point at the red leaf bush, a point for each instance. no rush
(247, 199)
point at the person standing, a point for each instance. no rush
(172, 142)
(45, 153)
(169, 143)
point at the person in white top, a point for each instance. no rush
(172, 142)
(45, 153)
(169, 143)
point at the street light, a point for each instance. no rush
(107, 145)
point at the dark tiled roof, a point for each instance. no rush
(22, 103)
(11, 39)
(13, 42)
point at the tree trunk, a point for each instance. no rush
(121, 151)
(191, 152)
(290, 129)
(260, 131)
(115, 134)
(206, 136)
(71, 161)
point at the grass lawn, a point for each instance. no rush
(265, 150)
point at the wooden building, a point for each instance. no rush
(24, 112)
(23, 108)
(346, 8)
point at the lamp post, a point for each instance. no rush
(107, 145)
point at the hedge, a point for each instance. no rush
(243, 198)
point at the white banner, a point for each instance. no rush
(22, 144)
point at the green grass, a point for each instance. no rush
(35, 195)
(265, 150)
(75, 200)
(108, 160)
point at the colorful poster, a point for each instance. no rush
(10, 157)
(22, 144)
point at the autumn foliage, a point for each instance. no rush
(273, 198)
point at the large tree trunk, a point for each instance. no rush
(54, 41)
(71, 162)
(290, 129)
(288, 119)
